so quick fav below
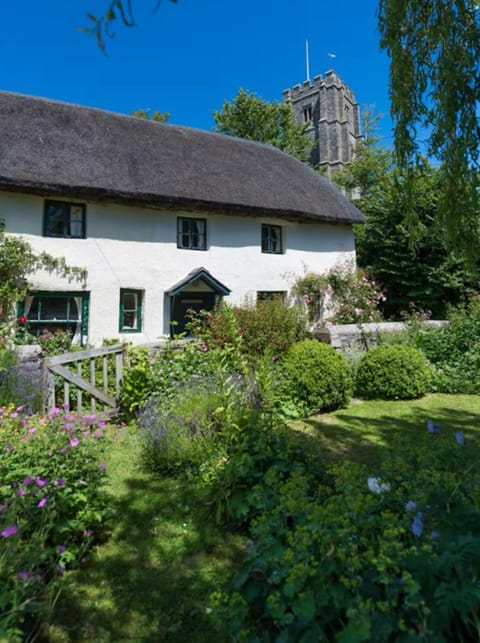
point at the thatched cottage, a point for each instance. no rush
(164, 218)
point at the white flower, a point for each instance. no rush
(377, 486)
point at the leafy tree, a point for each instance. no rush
(435, 87)
(249, 116)
(158, 117)
(426, 275)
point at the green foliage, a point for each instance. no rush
(343, 295)
(412, 264)
(392, 372)
(265, 326)
(454, 350)
(346, 556)
(249, 116)
(17, 262)
(146, 114)
(319, 377)
(53, 506)
(434, 86)
(146, 373)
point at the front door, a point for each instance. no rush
(189, 301)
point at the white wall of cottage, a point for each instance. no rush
(133, 247)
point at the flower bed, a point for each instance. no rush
(53, 507)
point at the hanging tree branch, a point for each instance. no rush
(435, 91)
(102, 27)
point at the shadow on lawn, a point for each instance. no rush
(153, 579)
(355, 436)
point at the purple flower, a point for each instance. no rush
(60, 482)
(4, 506)
(11, 530)
(61, 548)
(41, 482)
(26, 481)
(74, 442)
(54, 411)
(435, 535)
(42, 502)
(417, 524)
(86, 433)
(410, 506)
(432, 427)
(32, 430)
(97, 434)
(460, 438)
(101, 424)
(21, 491)
(25, 575)
(88, 532)
(8, 447)
(103, 465)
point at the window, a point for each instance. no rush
(57, 311)
(130, 311)
(307, 114)
(64, 220)
(191, 234)
(272, 239)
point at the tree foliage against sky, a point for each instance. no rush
(434, 48)
(424, 276)
(249, 116)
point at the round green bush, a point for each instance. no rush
(319, 377)
(392, 372)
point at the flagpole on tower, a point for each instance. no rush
(307, 60)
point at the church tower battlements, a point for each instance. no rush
(329, 110)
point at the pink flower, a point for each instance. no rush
(86, 433)
(42, 503)
(32, 430)
(101, 424)
(74, 442)
(103, 465)
(21, 491)
(27, 480)
(11, 530)
(41, 482)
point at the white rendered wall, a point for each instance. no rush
(132, 247)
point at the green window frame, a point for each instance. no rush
(130, 314)
(191, 233)
(56, 311)
(272, 241)
(65, 220)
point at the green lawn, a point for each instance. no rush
(152, 580)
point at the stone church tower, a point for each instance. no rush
(329, 109)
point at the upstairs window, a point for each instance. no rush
(272, 239)
(64, 219)
(191, 234)
(130, 311)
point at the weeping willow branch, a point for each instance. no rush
(435, 94)
(117, 10)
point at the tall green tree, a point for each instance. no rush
(427, 275)
(251, 117)
(434, 46)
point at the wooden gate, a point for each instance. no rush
(90, 372)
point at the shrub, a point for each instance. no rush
(265, 326)
(356, 557)
(53, 506)
(392, 372)
(455, 350)
(146, 373)
(344, 295)
(318, 376)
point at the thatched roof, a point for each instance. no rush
(54, 148)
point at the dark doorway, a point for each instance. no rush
(189, 301)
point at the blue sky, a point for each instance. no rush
(189, 57)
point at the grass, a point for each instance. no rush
(152, 580)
